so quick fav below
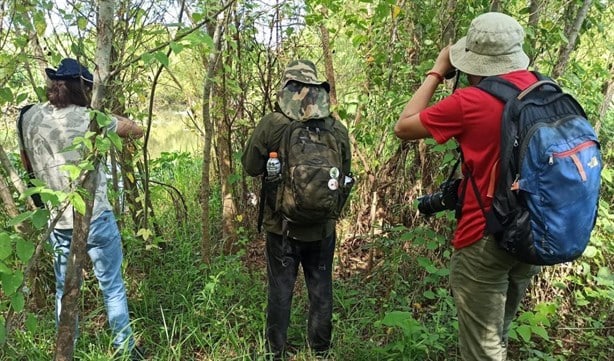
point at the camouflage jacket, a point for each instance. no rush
(47, 133)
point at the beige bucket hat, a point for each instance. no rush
(493, 46)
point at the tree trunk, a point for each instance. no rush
(328, 66)
(229, 207)
(572, 36)
(535, 8)
(69, 314)
(205, 190)
(449, 31)
(70, 301)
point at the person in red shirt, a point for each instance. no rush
(487, 283)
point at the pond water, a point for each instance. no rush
(173, 135)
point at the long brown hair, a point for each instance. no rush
(62, 93)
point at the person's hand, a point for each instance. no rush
(442, 64)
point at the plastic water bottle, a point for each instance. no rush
(273, 165)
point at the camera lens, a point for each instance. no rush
(431, 203)
(444, 199)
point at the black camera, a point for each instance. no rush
(446, 198)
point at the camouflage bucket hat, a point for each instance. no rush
(302, 96)
(303, 71)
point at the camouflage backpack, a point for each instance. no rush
(312, 188)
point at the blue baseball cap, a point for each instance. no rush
(70, 69)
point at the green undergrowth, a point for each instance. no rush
(398, 309)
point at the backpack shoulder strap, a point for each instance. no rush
(499, 88)
(22, 111)
(36, 198)
(505, 90)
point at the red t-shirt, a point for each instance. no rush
(473, 117)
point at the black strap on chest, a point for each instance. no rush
(36, 198)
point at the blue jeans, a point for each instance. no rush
(105, 250)
(282, 266)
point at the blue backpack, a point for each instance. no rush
(546, 197)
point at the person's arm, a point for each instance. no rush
(409, 125)
(127, 128)
(255, 153)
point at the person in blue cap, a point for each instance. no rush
(47, 131)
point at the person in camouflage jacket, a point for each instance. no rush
(47, 131)
(301, 97)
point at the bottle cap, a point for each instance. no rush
(273, 155)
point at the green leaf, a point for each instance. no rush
(40, 23)
(72, 170)
(443, 272)
(145, 233)
(199, 37)
(11, 282)
(6, 95)
(17, 302)
(21, 97)
(432, 245)
(77, 201)
(427, 264)
(115, 139)
(6, 247)
(526, 316)
(147, 58)
(396, 318)
(4, 268)
(37, 182)
(25, 250)
(40, 218)
(448, 158)
(85, 165)
(525, 332)
(102, 119)
(604, 277)
(429, 294)
(33, 190)
(198, 16)
(541, 332)
(52, 197)
(31, 322)
(2, 331)
(103, 145)
(20, 218)
(513, 335)
(590, 252)
(176, 47)
(161, 58)
(81, 23)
